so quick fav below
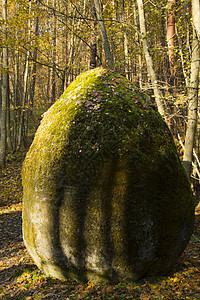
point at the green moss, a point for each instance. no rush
(97, 102)
(104, 171)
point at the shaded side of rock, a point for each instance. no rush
(105, 194)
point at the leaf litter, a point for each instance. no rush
(21, 279)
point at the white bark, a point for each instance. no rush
(149, 62)
(193, 90)
(102, 28)
(139, 65)
(196, 17)
(192, 106)
(21, 121)
(125, 40)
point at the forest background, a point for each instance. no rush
(45, 44)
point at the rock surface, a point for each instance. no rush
(105, 194)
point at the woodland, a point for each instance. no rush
(44, 45)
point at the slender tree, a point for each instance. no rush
(149, 62)
(196, 17)
(26, 75)
(66, 35)
(54, 40)
(106, 45)
(32, 76)
(171, 34)
(15, 85)
(4, 86)
(193, 92)
(125, 40)
(93, 41)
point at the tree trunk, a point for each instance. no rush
(8, 124)
(24, 97)
(4, 86)
(139, 63)
(21, 121)
(32, 81)
(192, 106)
(65, 79)
(196, 17)
(125, 41)
(102, 28)
(150, 69)
(34, 64)
(15, 98)
(93, 41)
(170, 35)
(53, 75)
(15, 115)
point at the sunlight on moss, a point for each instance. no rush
(105, 195)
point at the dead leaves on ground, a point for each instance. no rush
(20, 278)
(10, 184)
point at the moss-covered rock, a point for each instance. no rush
(105, 194)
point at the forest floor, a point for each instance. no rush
(20, 278)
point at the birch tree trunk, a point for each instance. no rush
(21, 121)
(34, 64)
(32, 76)
(196, 17)
(4, 86)
(125, 41)
(170, 35)
(139, 64)
(102, 28)
(150, 69)
(192, 106)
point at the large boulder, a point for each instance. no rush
(105, 194)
